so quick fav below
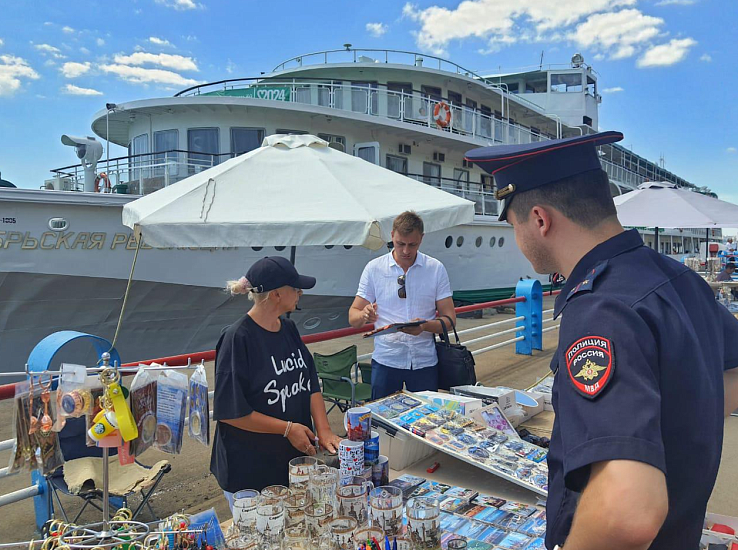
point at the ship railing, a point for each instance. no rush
(139, 174)
(483, 198)
(529, 325)
(409, 106)
(622, 175)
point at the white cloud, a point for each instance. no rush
(159, 41)
(731, 150)
(73, 69)
(48, 24)
(12, 70)
(68, 30)
(231, 67)
(613, 90)
(100, 42)
(667, 54)
(2, 42)
(139, 75)
(676, 2)
(180, 5)
(177, 62)
(85, 51)
(706, 57)
(49, 63)
(71, 89)
(500, 21)
(618, 33)
(52, 51)
(376, 29)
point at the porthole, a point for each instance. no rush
(279, 248)
(58, 224)
(501, 242)
(312, 323)
(256, 248)
(478, 242)
(449, 241)
(492, 241)
(329, 246)
(460, 241)
(333, 316)
(348, 246)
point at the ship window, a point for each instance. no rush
(432, 92)
(432, 174)
(397, 93)
(203, 148)
(367, 151)
(364, 97)
(566, 82)
(244, 140)
(501, 242)
(397, 164)
(478, 242)
(591, 86)
(165, 143)
(459, 241)
(513, 87)
(138, 146)
(291, 132)
(454, 98)
(337, 142)
(58, 224)
(492, 242)
(449, 241)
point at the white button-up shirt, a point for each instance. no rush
(426, 282)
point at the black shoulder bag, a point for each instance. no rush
(455, 362)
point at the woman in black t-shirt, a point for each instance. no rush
(266, 386)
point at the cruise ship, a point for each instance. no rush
(67, 257)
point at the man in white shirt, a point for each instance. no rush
(404, 285)
(730, 246)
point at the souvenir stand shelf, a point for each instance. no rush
(491, 441)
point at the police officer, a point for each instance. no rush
(642, 370)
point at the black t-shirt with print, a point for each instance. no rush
(269, 372)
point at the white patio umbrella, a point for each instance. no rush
(292, 191)
(660, 204)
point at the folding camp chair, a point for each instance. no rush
(73, 446)
(339, 376)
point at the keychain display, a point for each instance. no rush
(115, 413)
(22, 458)
(73, 399)
(143, 406)
(199, 425)
(171, 405)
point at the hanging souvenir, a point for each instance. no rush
(171, 405)
(143, 406)
(199, 425)
(73, 399)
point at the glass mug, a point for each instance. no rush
(275, 491)
(300, 468)
(367, 533)
(244, 513)
(424, 523)
(353, 500)
(457, 544)
(342, 532)
(323, 483)
(318, 517)
(270, 523)
(294, 509)
(386, 509)
(295, 538)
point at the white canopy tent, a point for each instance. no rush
(660, 204)
(294, 190)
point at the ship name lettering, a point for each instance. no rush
(29, 243)
(14, 237)
(119, 238)
(63, 239)
(43, 238)
(97, 240)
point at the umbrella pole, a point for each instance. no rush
(656, 238)
(707, 241)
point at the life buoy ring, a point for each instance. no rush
(442, 114)
(105, 188)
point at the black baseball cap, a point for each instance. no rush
(274, 272)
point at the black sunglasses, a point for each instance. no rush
(401, 292)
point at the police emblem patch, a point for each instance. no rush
(590, 362)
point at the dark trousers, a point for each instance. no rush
(387, 380)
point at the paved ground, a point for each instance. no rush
(190, 486)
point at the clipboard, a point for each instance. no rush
(394, 327)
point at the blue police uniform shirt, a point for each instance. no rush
(639, 376)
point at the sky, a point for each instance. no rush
(667, 68)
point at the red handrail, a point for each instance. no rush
(7, 391)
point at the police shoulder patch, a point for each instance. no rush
(590, 362)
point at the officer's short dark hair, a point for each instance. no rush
(584, 198)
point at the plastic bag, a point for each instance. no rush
(22, 459)
(199, 425)
(171, 405)
(73, 399)
(143, 407)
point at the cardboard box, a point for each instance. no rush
(400, 448)
(532, 410)
(463, 404)
(504, 397)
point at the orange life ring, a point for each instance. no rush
(102, 176)
(442, 114)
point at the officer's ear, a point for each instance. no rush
(542, 219)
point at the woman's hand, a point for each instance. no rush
(302, 438)
(329, 441)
